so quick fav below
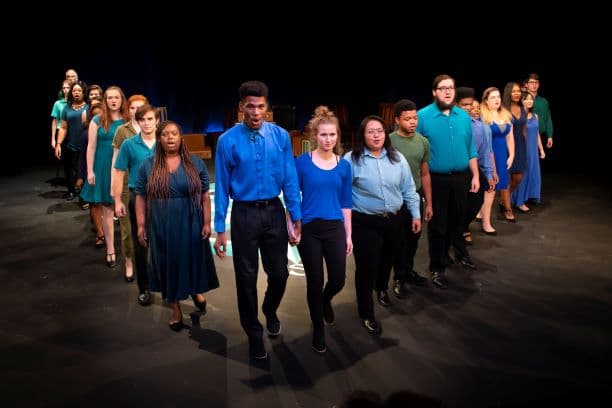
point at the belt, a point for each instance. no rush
(258, 203)
(387, 214)
(448, 173)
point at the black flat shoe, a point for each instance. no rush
(371, 326)
(144, 298)
(176, 326)
(129, 279)
(201, 306)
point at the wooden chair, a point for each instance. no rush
(195, 143)
(387, 113)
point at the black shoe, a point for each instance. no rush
(318, 341)
(129, 279)
(70, 197)
(399, 290)
(201, 306)
(257, 351)
(328, 313)
(438, 279)
(383, 298)
(415, 278)
(466, 262)
(176, 326)
(273, 325)
(144, 298)
(371, 326)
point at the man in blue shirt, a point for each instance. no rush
(449, 131)
(481, 135)
(253, 162)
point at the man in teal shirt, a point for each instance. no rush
(540, 108)
(448, 129)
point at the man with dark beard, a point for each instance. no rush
(449, 131)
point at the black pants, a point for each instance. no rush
(257, 229)
(323, 239)
(449, 197)
(140, 252)
(474, 201)
(69, 162)
(375, 243)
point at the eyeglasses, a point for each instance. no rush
(533, 82)
(445, 88)
(375, 131)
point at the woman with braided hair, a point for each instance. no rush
(173, 217)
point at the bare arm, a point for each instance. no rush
(53, 130)
(475, 184)
(61, 135)
(117, 177)
(206, 213)
(348, 229)
(510, 145)
(141, 210)
(91, 152)
(426, 183)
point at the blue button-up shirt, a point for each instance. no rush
(255, 165)
(450, 138)
(481, 134)
(381, 186)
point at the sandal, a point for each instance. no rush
(523, 208)
(467, 236)
(100, 241)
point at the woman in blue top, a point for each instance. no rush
(325, 182)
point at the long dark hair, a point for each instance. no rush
(158, 185)
(360, 144)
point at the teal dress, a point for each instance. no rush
(100, 192)
(180, 261)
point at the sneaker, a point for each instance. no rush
(318, 341)
(257, 350)
(273, 325)
(328, 313)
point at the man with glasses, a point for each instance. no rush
(540, 108)
(448, 129)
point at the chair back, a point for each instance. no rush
(196, 144)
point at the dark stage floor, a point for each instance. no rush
(531, 326)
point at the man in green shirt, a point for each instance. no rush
(540, 108)
(415, 149)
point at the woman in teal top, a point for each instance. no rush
(99, 158)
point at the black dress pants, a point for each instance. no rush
(376, 241)
(259, 227)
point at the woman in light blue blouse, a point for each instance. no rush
(325, 182)
(382, 184)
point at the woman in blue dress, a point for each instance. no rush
(173, 218)
(531, 185)
(502, 142)
(96, 191)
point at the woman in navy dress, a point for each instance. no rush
(173, 217)
(512, 102)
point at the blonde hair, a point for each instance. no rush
(487, 115)
(322, 115)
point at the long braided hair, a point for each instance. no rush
(158, 185)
